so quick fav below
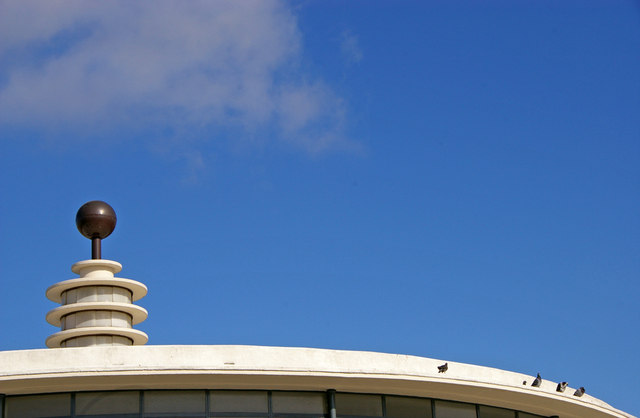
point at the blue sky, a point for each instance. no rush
(450, 179)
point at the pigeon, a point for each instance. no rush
(536, 383)
(524, 382)
(443, 368)
(561, 387)
(579, 392)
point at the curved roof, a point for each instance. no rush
(283, 368)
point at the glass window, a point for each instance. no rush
(455, 410)
(490, 412)
(525, 415)
(362, 405)
(299, 402)
(239, 401)
(179, 401)
(403, 407)
(38, 406)
(103, 403)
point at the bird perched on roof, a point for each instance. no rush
(561, 387)
(536, 383)
(443, 368)
(579, 392)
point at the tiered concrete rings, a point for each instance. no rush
(97, 307)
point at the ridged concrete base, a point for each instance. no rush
(97, 307)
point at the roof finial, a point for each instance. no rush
(96, 220)
(97, 307)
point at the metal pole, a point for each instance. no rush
(96, 248)
(332, 402)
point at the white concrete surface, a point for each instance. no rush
(97, 307)
(277, 368)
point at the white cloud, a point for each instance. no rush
(351, 48)
(89, 65)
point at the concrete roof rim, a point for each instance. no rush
(133, 383)
(375, 367)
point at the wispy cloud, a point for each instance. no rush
(350, 46)
(83, 66)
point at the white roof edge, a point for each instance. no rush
(356, 370)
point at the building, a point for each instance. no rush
(99, 367)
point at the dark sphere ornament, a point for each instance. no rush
(96, 219)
